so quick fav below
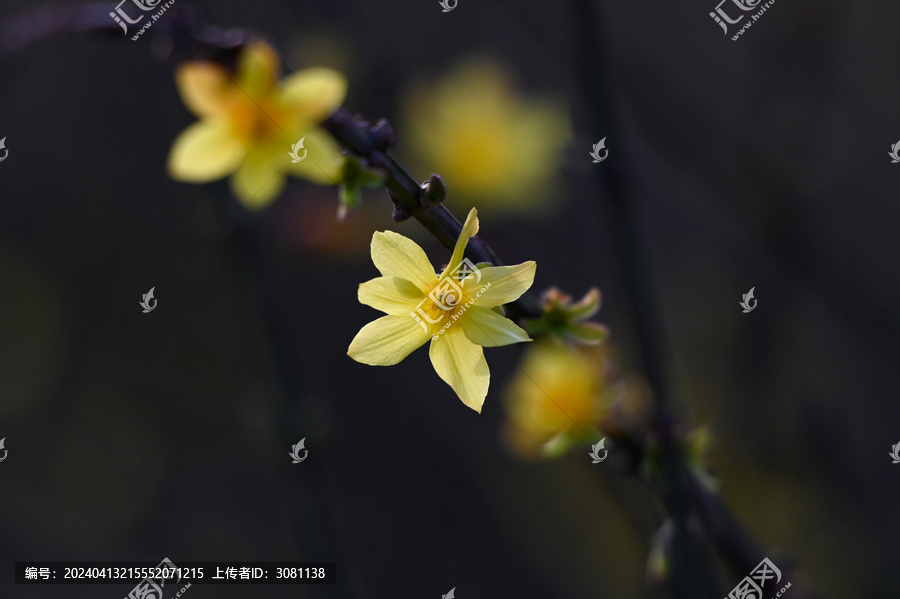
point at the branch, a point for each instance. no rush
(684, 495)
(693, 573)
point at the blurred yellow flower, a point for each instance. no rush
(566, 394)
(492, 146)
(452, 309)
(249, 122)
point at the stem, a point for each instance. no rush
(685, 497)
(693, 574)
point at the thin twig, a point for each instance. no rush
(686, 498)
(693, 571)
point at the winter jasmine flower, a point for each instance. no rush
(249, 122)
(452, 309)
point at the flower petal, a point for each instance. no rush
(461, 364)
(315, 93)
(386, 341)
(486, 328)
(323, 163)
(508, 283)
(391, 295)
(204, 152)
(469, 229)
(397, 256)
(257, 71)
(259, 180)
(205, 88)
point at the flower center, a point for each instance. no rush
(445, 301)
(259, 123)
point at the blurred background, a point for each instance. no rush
(757, 163)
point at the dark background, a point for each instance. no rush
(761, 162)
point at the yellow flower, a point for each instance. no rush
(249, 122)
(565, 394)
(492, 146)
(452, 309)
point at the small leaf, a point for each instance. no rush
(370, 179)
(536, 326)
(556, 446)
(659, 559)
(351, 198)
(589, 333)
(586, 306)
